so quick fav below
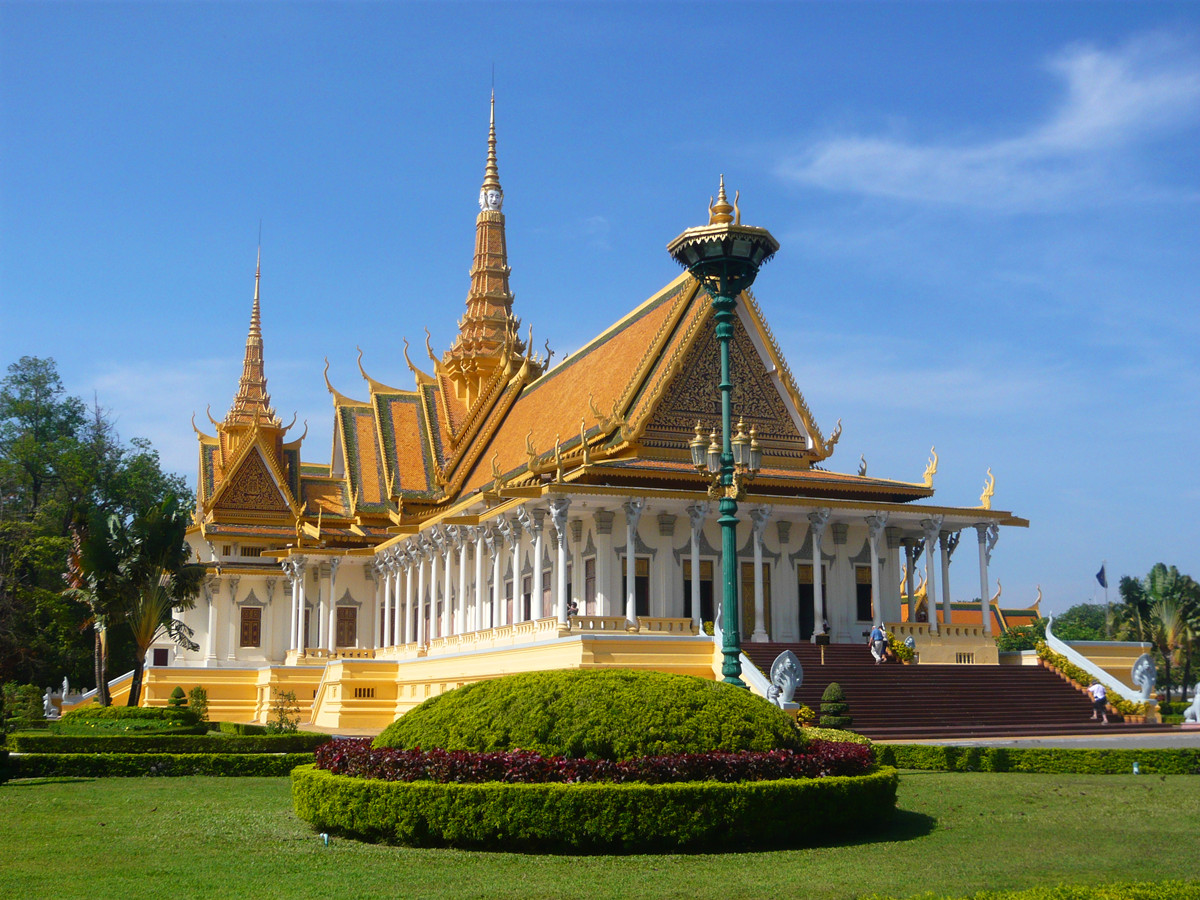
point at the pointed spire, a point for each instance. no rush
(487, 331)
(491, 172)
(252, 403)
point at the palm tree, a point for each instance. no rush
(1170, 634)
(153, 566)
(136, 571)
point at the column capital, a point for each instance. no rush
(558, 515)
(697, 513)
(875, 526)
(818, 519)
(931, 527)
(634, 507)
(759, 515)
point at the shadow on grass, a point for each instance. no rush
(904, 825)
(57, 779)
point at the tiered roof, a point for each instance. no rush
(489, 419)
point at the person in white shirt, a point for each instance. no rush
(1099, 701)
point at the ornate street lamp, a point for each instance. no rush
(724, 256)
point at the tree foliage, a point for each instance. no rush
(63, 470)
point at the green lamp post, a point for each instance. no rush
(725, 256)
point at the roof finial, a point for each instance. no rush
(720, 213)
(491, 195)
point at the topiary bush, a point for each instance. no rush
(834, 708)
(172, 715)
(178, 699)
(600, 713)
(594, 818)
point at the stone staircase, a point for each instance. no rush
(897, 702)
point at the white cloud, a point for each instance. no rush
(1112, 100)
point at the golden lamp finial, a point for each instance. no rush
(721, 212)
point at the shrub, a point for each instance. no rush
(836, 735)
(601, 713)
(592, 818)
(116, 765)
(899, 649)
(834, 708)
(198, 702)
(1022, 637)
(1042, 760)
(242, 728)
(178, 699)
(805, 715)
(285, 712)
(357, 758)
(172, 715)
(203, 742)
(23, 701)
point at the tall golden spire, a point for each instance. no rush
(252, 402)
(487, 334)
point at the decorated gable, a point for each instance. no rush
(252, 488)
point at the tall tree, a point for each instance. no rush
(153, 578)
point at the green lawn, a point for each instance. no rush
(954, 833)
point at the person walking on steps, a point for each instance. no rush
(1099, 701)
(878, 642)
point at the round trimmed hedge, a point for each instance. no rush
(594, 818)
(602, 713)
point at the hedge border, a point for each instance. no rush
(1040, 760)
(300, 742)
(125, 765)
(594, 818)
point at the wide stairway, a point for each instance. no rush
(893, 701)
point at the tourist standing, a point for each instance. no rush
(1099, 701)
(878, 643)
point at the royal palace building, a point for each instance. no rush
(504, 514)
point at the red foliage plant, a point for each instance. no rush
(357, 758)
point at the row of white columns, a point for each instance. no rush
(411, 570)
(407, 575)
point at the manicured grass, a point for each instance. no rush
(954, 834)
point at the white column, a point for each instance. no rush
(518, 613)
(298, 564)
(696, 515)
(477, 612)
(498, 617)
(289, 569)
(332, 633)
(758, 521)
(817, 522)
(448, 581)
(633, 512)
(210, 642)
(945, 548)
(487, 615)
(875, 526)
(411, 561)
(931, 527)
(558, 518)
(387, 570)
(537, 528)
(377, 572)
(988, 533)
(321, 601)
(910, 558)
(233, 623)
(422, 556)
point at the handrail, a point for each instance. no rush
(1076, 658)
(113, 682)
(751, 674)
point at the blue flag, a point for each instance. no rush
(1102, 578)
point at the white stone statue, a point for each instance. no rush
(1144, 675)
(47, 704)
(66, 687)
(1192, 713)
(786, 675)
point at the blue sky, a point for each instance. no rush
(988, 219)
